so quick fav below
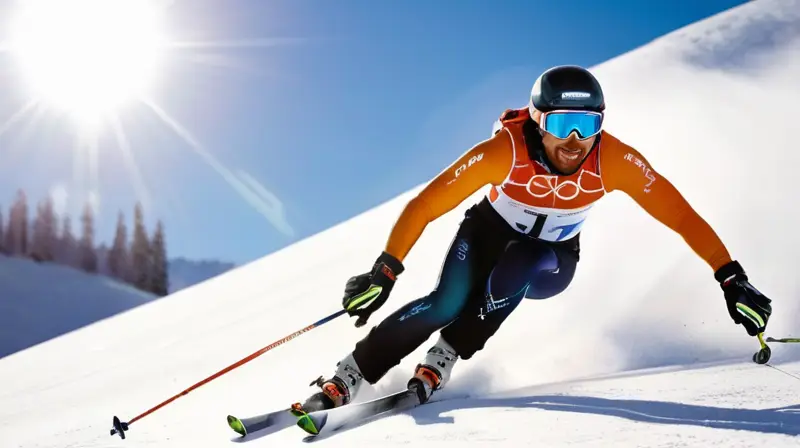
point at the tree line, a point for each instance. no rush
(142, 263)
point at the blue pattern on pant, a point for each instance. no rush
(480, 284)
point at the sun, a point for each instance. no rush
(92, 59)
(88, 57)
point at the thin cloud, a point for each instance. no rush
(269, 206)
(255, 194)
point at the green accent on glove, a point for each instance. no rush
(748, 312)
(365, 297)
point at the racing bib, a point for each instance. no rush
(548, 224)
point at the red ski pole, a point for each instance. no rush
(120, 427)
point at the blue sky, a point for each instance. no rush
(333, 108)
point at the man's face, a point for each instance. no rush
(565, 154)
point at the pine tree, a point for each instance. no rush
(118, 255)
(140, 252)
(44, 232)
(67, 244)
(24, 238)
(10, 239)
(2, 240)
(17, 231)
(88, 256)
(159, 281)
(102, 259)
(37, 239)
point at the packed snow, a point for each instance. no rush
(639, 351)
(40, 301)
(184, 273)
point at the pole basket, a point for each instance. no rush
(119, 427)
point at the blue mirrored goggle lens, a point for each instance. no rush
(562, 124)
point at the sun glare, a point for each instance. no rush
(87, 57)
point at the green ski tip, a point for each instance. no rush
(236, 425)
(307, 424)
(304, 421)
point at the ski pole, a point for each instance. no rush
(784, 340)
(120, 427)
(762, 356)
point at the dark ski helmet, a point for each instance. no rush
(566, 87)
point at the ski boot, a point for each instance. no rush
(337, 391)
(434, 371)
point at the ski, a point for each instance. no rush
(263, 424)
(318, 423)
(322, 422)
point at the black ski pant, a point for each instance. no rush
(488, 270)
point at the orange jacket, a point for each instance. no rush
(502, 162)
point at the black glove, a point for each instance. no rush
(746, 304)
(367, 292)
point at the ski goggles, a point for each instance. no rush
(561, 123)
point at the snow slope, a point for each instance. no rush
(39, 301)
(184, 273)
(562, 372)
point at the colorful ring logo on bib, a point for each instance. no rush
(544, 185)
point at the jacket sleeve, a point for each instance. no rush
(624, 168)
(488, 162)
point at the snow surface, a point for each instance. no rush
(39, 301)
(184, 273)
(561, 372)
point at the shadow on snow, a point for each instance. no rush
(785, 420)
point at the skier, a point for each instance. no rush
(547, 164)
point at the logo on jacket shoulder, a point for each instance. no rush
(648, 173)
(472, 161)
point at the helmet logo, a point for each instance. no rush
(575, 95)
